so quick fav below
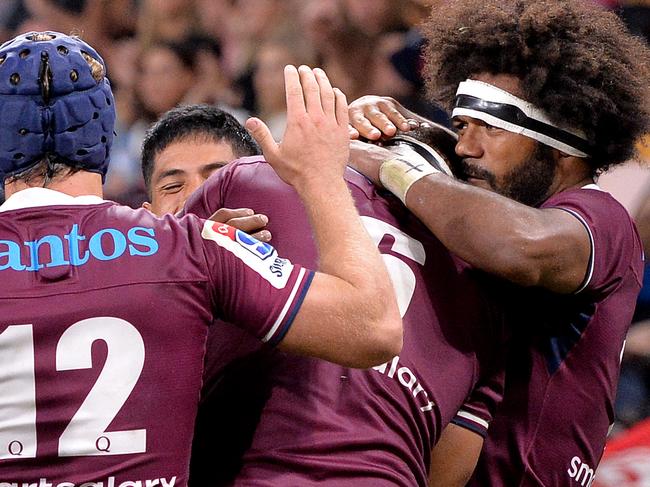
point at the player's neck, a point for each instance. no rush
(80, 183)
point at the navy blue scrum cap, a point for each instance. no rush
(55, 102)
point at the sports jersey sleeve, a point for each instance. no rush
(249, 284)
(479, 409)
(596, 210)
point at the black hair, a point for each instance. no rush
(50, 167)
(192, 121)
(575, 61)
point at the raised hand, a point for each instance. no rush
(315, 146)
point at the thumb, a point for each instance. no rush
(262, 135)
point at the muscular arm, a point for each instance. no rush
(343, 318)
(528, 246)
(454, 457)
(349, 314)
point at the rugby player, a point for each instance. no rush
(104, 310)
(545, 95)
(184, 147)
(279, 420)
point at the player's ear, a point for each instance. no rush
(147, 206)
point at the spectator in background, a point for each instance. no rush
(268, 85)
(99, 21)
(339, 46)
(167, 74)
(165, 20)
(393, 30)
(164, 75)
(633, 399)
(10, 15)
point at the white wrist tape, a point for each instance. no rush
(398, 175)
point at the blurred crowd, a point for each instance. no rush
(230, 53)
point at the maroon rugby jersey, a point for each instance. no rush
(312, 421)
(563, 369)
(104, 313)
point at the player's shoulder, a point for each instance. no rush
(246, 171)
(176, 232)
(616, 246)
(606, 219)
(590, 200)
(242, 166)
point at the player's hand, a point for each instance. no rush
(367, 159)
(374, 117)
(315, 145)
(245, 220)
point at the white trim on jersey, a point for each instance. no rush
(593, 186)
(592, 254)
(287, 306)
(473, 418)
(36, 197)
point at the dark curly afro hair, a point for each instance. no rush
(575, 61)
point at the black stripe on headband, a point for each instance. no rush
(516, 116)
(424, 153)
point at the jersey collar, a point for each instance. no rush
(35, 197)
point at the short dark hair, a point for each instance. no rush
(45, 171)
(189, 122)
(575, 61)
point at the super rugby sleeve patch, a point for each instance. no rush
(259, 256)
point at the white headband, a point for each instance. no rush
(497, 107)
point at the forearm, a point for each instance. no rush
(454, 457)
(364, 311)
(349, 314)
(345, 249)
(490, 232)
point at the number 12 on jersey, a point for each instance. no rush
(86, 432)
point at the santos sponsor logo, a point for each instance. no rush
(579, 471)
(71, 248)
(406, 378)
(110, 482)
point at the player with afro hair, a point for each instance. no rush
(544, 96)
(576, 62)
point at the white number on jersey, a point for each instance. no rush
(86, 432)
(400, 273)
(18, 393)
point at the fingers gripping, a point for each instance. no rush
(373, 116)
